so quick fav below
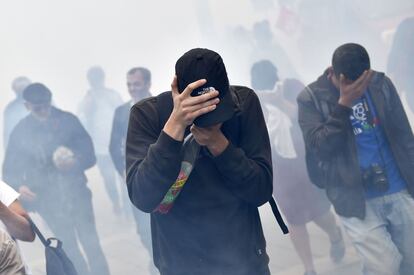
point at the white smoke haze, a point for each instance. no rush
(56, 42)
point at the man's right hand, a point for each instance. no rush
(26, 194)
(187, 108)
(351, 91)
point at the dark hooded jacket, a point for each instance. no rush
(214, 225)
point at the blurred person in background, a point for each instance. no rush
(15, 110)
(96, 114)
(46, 159)
(138, 84)
(265, 47)
(401, 64)
(301, 202)
(360, 148)
(318, 26)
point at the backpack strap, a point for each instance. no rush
(321, 106)
(278, 216)
(272, 202)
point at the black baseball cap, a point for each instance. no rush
(206, 64)
(37, 93)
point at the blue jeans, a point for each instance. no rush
(384, 240)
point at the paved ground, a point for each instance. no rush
(126, 255)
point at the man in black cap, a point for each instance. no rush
(198, 159)
(46, 159)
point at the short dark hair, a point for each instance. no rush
(263, 75)
(351, 60)
(146, 74)
(37, 93)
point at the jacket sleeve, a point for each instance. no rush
(324, 138)
(248, 168)
(81, 144)
(153, 159)
(116, 143)
(402, 129)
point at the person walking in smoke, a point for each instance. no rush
(300, 201)
(139, 84)
(194, 162)
(96, 113)
(360, 148)
(46, 158)
(15, 110)
(400, 65)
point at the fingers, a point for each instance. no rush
(368, 77)
(358, 85)
(194, 100)
(192, 86)
(363, 81)
(31, 196)
(28, 194)
(360, 79)
(211, 105)
(174, 86)
(193, 129)
(203, 111)
(341, 80)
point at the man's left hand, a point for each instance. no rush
(212, 137)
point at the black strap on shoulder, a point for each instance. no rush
(45, 242)
(321, 106)
(272, 201)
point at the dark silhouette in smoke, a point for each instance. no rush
(300, 201)
(96, 113)
(15, 110)
(139, 84)
(401, 60)
(46, 159)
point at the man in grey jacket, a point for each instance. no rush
(360, 148)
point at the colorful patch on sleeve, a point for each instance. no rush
(169, 198)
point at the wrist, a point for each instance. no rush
(174, 129)
(345, 102)
(218, 146)
(3, 209)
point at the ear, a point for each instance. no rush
(330, 72)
